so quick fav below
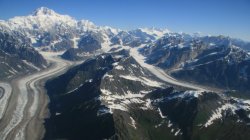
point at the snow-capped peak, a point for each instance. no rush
(155, 31)
(43, 11)
(42, 18)
(110, 30)
(86, 25)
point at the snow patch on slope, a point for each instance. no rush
(217, 114)
(75, 41)
(143, 80)
(133, 123)
(237, 104)
(162, 116)
(114, 101)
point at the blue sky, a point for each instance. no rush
(227, 17)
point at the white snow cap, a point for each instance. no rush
(155, 31)
(43, 18)
(43, 11)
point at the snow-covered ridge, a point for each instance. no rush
(45, 19)
(52, 31)
(41, 21)
(155, 31)
(143, 80)
(188, 94)
(233, 107)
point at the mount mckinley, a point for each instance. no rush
(146, 83)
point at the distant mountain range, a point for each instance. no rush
(116, 92)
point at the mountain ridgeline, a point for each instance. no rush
(213, 61)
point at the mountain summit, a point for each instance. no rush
(43, 11)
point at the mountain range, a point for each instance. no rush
(145, 83)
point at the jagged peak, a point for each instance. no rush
(158, 32)
(43, 11)
(151, 29)
(86, 22)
